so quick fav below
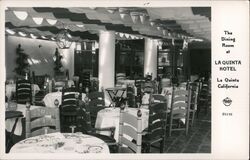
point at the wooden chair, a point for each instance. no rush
(42, 82)
(42, 121)
(158, 98)
(96, 103)
(203, 97)
(131, 96)
(194, 87)
(119, 77)
(156, 131)
(23, 91)
(68, 109)
(84, 125)
(125, 130)
(180, 106)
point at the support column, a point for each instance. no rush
(150, 57)
(106, 59)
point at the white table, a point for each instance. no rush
(61, 143)
(50, 98)
(10, 122)
(109, 117)
(11, 89)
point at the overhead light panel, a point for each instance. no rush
(43, 37)
(80, 25)
(134, 17)
(38, 20)
(10, 31)
(22, 15)
(22, 34)
(33, 36)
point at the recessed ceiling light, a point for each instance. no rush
(22, 34)
(33, 36)
(10, 31)
(38, 20)
(43, 37)
(80, 25)
(52, 38)
(69, 35)
(22, 15)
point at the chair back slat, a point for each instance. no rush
(130, 131)
(41, 122)
(130, 120)
(129, 143)
(42, 131)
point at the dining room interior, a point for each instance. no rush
(107, 80)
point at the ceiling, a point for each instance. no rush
(127, 22)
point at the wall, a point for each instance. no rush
(42, 57)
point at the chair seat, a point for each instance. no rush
(145, 139)
(125, 150)
(13, 114)
(105, 138)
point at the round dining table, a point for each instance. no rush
(61, 143)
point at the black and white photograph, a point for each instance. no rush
(112, 80)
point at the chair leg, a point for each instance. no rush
(170, 128)
(187, 125)
(162, 146)
(148, 148)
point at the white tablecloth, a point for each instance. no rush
(61, 143)
(109, 117)
(11, 89)
(50, 98)
(10, 122)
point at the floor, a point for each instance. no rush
(198, 139)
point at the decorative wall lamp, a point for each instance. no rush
(63, 39)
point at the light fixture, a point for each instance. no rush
(159, 28)
(164, 32)
(33, 36)
(127, 36)
(111, 10)
(22, 15)
(78, 47)
(63, 39)
(123, 15)
(152, 23)
(143, 18)
(134, 17)
(80, 25)
(121, 34)
(52, 38)
(51, 21)
(22, 34)
(43, 37)
(38, 20)
(10, 31)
